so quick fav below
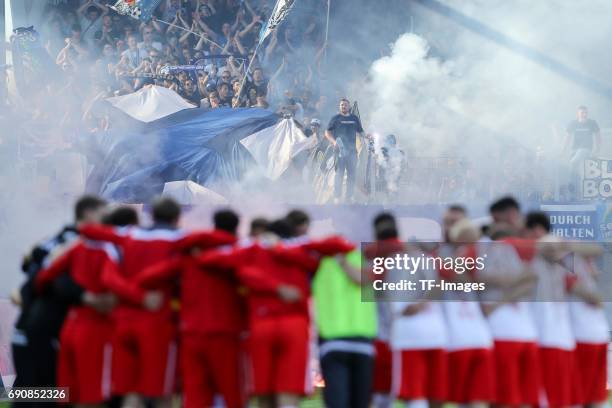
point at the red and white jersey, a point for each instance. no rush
(423, 330)
(509, 322)
(551, 311)
(384, 319)
(589, 323)
(466, 325)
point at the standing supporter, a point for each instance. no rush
(90, 14)
(133, 54)
(342, 132)
(147, 43)
(190, 93)
(471, 378)
(37, 328)
(144, 365)
(85, 340)
(211, 323)
(258, 82)
(583, 140)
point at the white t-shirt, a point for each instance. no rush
(384, 319)
(512, 322)
(589, 323)
(467, 327)
(154, 44)
(89, 28)
(424, 330)
(466, 324)
(550, 309)
(135, 57)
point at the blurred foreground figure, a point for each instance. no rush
(35, 339)
(346, 327)
(387, 243)
(471, 379)
(85, 352)
(212, 321)
(145, 365)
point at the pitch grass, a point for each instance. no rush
(313, 402)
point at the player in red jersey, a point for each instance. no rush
(471, 378)
(387, 243)
(85, 339)
(145, 365)
(212, 322)
(277, 276)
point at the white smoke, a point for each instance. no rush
(481, 89)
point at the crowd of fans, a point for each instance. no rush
(99, 53)
(117, 54)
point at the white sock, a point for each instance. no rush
(382, 400)
(219, 402)
(422, 403)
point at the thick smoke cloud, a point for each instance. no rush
(511, 70)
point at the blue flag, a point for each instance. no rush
(280, 12)
(133, 161)
(139, 9)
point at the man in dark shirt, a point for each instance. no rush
(342, 133)
(583, 133)
(258, 82)
(584, 139)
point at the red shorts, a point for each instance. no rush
(85, 359)
(420, 374)
(557, 367)
(382, 368)
(472, 376)
(591, 362)
(144, 356)
(212, 364)
(279, 352)
(517, 371)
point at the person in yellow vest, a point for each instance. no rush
(347, 327)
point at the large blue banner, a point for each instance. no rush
(133, 161)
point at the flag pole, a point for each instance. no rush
(261, 40)
(189, 31)
(246, 68)
(326, 30)
(280, 11)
